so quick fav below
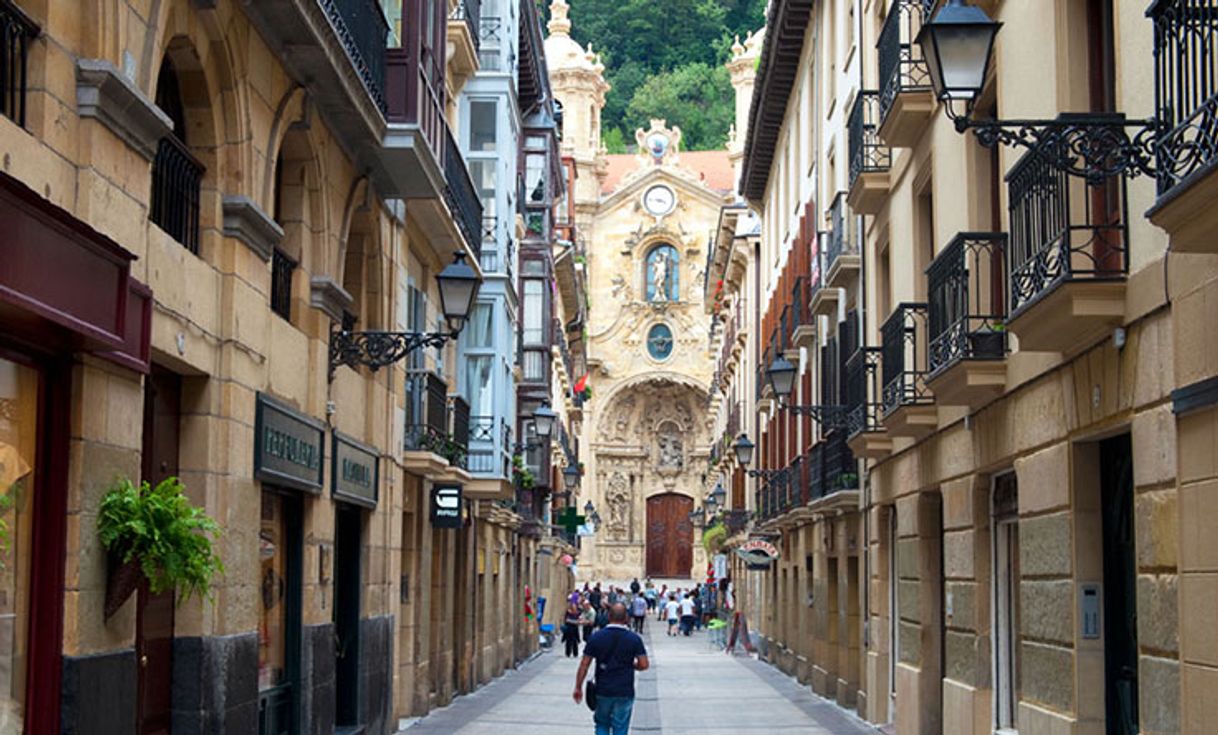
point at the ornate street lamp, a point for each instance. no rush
(570, 477)
(744, 456)
(781, 375)
(458, 284)
(958, 44)
(744, 450)
(543, 420)
(697, 518)
(719, 496)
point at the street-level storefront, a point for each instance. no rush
(48, 329)
(288, 455)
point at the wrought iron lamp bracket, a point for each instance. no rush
(379, 349)
(766, 474)
(829, 417)
(1092, 146)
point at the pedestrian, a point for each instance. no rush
(639, 610)
(672, 610)
(698, 612)
(587, 620)
(602, 616)
(663, 602)
(649, 595)
(570, 631)
(618, 653)
(595, 596)
(635, 587)
(687, 614)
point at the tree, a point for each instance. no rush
(640, 39)
(695, 97)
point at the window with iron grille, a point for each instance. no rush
(16, 33)
(282, 268)
(176, 174)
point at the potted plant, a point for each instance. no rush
(156, 533)
(848, 480)
(988, 341)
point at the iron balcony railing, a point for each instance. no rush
(903, 358)
(459, 428)
(426, 412)
(176, 181)
(819, 265)
(842, 240)
(470, 11)
(841, 470)
(868, 154)
(17, 31)
(282, 268)
(967, 287)
(363, 31)
(863, 404)
(799, 308)
(901, 66)
(1186, 88)
(1062, 229)
(461, 196)
(814, 467)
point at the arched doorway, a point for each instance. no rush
(670, 538)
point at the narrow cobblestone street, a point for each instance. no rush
(690, 688)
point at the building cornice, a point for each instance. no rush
(102, 92)
(786, 26)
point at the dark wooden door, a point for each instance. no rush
(154, 613)
(1120, 618)
(670, 536)
(348, 531)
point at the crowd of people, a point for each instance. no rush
(684, 610)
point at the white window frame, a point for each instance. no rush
(1003, 608)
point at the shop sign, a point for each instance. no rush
(757, 554)
(446, 506)
(288, 446)
(355, 474)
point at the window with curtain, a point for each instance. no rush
(479, 330)
(478, 384)
(482, 125)
(534, 332)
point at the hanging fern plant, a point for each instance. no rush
(713, 538)
(158, 533)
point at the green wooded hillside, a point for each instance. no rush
(664, 59)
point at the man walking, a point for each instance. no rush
(618, 653)
(638, 610)
(687, 614)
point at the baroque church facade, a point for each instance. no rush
(645, 220)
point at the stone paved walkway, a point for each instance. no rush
(689, 690)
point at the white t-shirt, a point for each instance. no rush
(671, 609)
(687, 606)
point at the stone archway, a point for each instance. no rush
(648, 451)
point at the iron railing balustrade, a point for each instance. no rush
(177, 178)
(1186, 89)
(901, 66)
(17, 32)
(1062, 229)
(903, 357)
(967, 300)
(868, 154)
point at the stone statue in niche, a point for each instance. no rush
(618, 499)
(668, 440)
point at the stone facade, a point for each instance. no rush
(1025, 523)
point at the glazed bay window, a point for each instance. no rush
(536, 352)
(482, 120)
(483, 172)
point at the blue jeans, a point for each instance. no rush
(612, 715)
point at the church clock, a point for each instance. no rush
(659, 200)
